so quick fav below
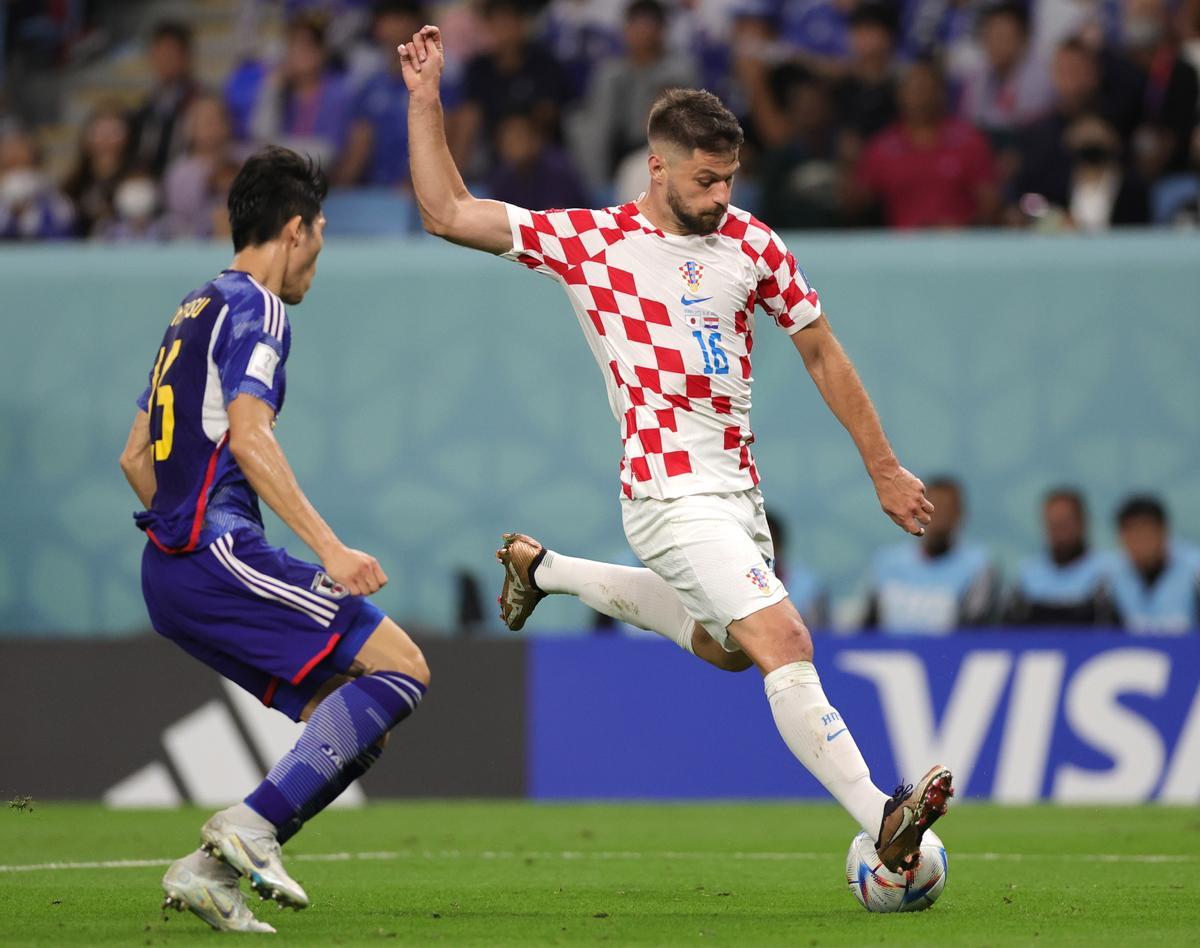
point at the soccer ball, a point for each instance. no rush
(878, 889)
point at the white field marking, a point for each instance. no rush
(581, 855)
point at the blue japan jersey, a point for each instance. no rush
(228, 338)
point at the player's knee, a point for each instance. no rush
(796, 640)
(417, 666)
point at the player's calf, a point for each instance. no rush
(705, 647)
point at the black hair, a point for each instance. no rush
(175, 30)
(1070, 494)
(1007, 8)
(946, 482)
(273, 186)
(882, 15)
(409, 8)
(694, 118)
(1142, 506)
(515, 7)
(650, 8)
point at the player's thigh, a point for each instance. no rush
(705, 548)
(773, 636)
(389, 648)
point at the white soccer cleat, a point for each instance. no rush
(254, 852)
(210, 890)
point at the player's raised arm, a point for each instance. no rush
(447, 208)
(901, 493)
(261, 459)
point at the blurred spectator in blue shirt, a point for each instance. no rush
(1155, 582)
(938, 584)
(31, 208)
(156, 134)
(196, 185)
(303, 105)
(101, 164)
(581, 34)
(531, 172)
(376, 151)
(1066, 583)
(809, 27)
(515, 75)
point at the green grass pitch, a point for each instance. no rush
(633, 874)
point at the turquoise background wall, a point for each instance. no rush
(438, 397)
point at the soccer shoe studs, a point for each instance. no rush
(520, 556)
(211, 893)
(908, 814)
(256, 856)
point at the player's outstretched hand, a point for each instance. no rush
(421, 61)
(357, 571)
(902, 497)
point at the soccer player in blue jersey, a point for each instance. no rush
(300, 636)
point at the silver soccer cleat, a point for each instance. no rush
(254, 853)
(210, 890)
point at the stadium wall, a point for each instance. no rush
(1021, 717)
(438, 397)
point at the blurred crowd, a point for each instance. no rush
(946, 582)
(1054, 114)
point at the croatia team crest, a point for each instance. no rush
(692, 272)
(761, 578)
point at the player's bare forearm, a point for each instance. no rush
(137, 460)
(838, 382)
(448, 209)
(901, 495)
(262, 461)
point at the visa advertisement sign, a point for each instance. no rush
(1020, 717)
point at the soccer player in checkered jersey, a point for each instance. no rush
(301, 637)
(665, 290)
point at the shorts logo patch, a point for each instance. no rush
(325, 586)
(761, 578)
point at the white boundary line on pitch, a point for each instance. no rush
(581, 855)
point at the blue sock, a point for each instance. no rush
(343, 726)
(348, 774)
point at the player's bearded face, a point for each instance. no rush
(302, 262)
(698, 190)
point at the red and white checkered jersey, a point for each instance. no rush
(670, 320)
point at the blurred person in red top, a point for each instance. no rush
(927, 169)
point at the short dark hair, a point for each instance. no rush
(1072, 495)
(1017, 12)
(650, 8)
(878, 14)
(175, 30)
(694, 118)
(273, 186)
(947, 482)
(1142, 506)
(409, 8)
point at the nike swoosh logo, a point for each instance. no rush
(687, 301)
(830, 737)
(255, 858)
(227, 909)
(905, 822)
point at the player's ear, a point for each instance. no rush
(293, 230)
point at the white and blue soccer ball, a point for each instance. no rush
(878, 889)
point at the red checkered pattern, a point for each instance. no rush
(684, 424)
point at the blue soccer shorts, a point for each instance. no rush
(273, 624)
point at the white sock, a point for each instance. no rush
(635, 595)
(807, 722)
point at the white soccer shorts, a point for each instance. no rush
(714, 550)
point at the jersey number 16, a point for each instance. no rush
(164, 397)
